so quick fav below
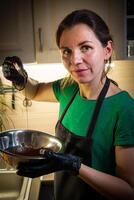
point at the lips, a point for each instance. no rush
(80, 72)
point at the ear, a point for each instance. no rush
(108, 50)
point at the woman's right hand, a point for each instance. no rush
(13, 70)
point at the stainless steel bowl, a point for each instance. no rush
(24, 145)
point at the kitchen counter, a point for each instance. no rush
(48, 177)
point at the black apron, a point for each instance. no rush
(67, 186)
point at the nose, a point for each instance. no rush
(76, 57)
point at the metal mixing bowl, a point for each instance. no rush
(24, 145)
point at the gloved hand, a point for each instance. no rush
(53, 162)
(13, 70)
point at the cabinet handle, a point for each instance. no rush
(40, 39)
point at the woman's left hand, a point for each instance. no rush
(52, 162)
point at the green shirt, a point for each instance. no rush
(115, 123)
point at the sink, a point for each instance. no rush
(13, 187)
(10, 185)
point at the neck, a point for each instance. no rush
(91, 90)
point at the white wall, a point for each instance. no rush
(41, 115)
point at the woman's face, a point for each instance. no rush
(83, 54)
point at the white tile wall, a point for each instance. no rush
(41, 115)
(123, 74)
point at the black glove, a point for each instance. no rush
(13, 70)
(52, 162)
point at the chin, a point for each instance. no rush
(81, 81)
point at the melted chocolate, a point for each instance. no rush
(25, 151)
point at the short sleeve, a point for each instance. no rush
(57, 89)
(124, 134)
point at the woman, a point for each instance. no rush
(95, 118)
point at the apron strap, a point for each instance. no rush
(98, 107)
(69, 103)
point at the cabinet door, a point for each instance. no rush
(16, 32)
(47, 16)
(130, 28)
(116, 23)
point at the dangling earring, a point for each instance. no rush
(105, 61)
(107, 65)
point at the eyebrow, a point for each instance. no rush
(81, 43)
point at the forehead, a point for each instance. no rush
(77, 34)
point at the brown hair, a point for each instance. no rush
(93, 21)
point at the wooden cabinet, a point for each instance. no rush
(45, 22)
(130, 29)
(116, 23)
(16, 30)
(29, 27)
(48, 14)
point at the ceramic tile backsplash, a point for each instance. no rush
(40, 115)
(123, 74)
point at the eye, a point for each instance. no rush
(86, 48)
(66, 52)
